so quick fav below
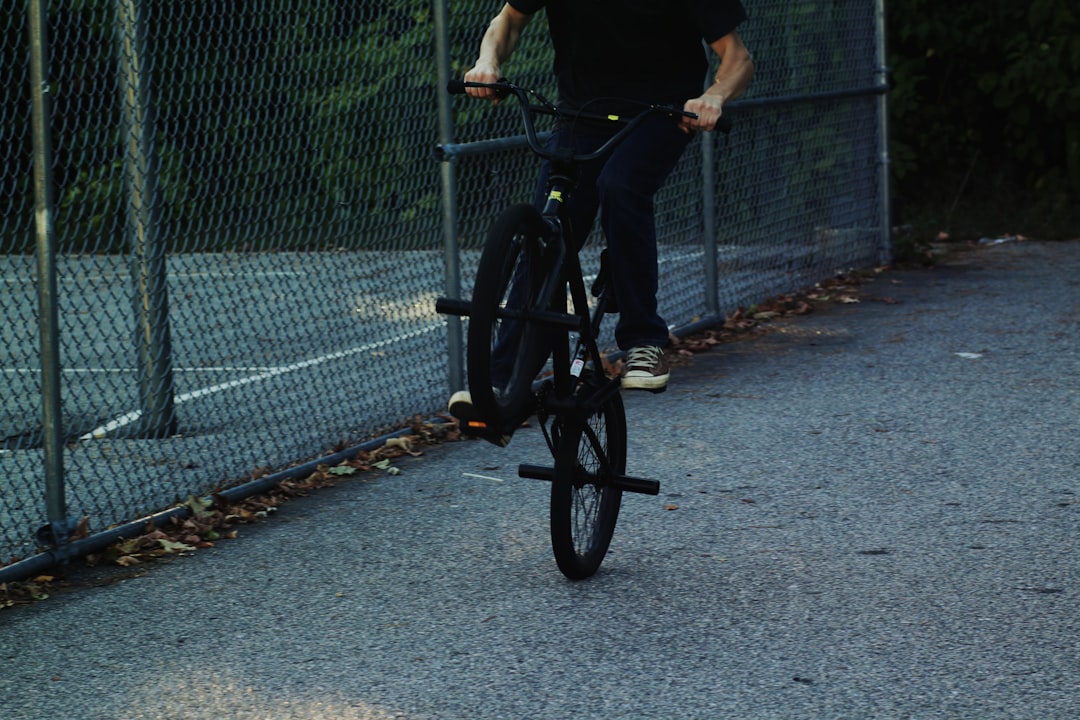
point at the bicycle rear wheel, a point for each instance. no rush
(505, 354)
(585, 503)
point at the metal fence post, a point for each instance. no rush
(49, 318)
(708, 213)
(884, 162)
(148, 253)
(452, 260)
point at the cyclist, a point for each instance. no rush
(607, 52)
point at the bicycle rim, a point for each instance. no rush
(584, 502)
(505, 355)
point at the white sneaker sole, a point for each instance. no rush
(654, 383)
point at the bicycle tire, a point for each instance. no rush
(585, 503)
(513, 261)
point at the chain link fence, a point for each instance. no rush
(227, 259)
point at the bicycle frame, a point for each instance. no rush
(519, 305)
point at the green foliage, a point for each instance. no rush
(985, 105)
(297, 123)
(362, 136)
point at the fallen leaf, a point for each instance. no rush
(127, 547)
(200, 507)
(402, 443)
(170, 546)
(82, 529)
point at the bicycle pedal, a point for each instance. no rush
(600, 284)
(480, 429)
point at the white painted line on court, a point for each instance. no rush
(239, 274)
(483, 477)
(132, 417)
(112, 277)
(122, 371)
(694, 255)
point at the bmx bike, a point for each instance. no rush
(519, 316)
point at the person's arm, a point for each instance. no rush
(498, 44)
(736, 70)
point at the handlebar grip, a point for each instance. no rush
(723, 124)
(457, 87)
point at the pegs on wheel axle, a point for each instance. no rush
(451, 306)
(622, 482)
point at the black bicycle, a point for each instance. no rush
(518, 317)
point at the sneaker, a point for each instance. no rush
(646, 369)
(461, 407)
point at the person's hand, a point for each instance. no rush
(708, 109)
(483, 73)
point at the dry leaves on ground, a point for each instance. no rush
(210, 519)
(747, 323)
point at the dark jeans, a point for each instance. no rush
(621, 188)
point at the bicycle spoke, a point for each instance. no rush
(504, 354)
(584, 501)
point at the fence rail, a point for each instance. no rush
(223, 228)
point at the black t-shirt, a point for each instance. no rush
(646, 50)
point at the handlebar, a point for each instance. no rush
(504, 88)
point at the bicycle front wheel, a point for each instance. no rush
(590, 453)
(505, 353)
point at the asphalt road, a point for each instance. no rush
(870, 512)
